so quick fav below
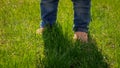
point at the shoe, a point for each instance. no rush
(39, 31)
(82, 36)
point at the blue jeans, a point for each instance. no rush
(81, 13)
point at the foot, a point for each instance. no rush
(82, 36)
(39, 31)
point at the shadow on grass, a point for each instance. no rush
(61, 52)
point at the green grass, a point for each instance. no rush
(20, 47)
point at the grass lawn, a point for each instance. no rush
(21, 47)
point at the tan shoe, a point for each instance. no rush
(82, 36)
(39, 31)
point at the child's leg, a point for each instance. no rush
(48, 12)
(81, 15)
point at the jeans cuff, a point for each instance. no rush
(80, 30)
(42, 24)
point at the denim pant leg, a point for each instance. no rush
(81, 15)
(48, 12)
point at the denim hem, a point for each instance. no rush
(80, 30)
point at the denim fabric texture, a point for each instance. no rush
(81, 13)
